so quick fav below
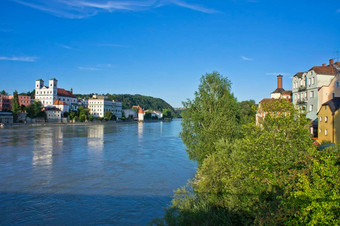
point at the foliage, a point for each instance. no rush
(15, 105)
(3, 92)
(167, 113)
(91, 118)
(147, 115)
(108, 115)
(247, 111)
(29, 93)
(270, 175)
(212, 115)
(35, 110)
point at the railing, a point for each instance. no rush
(302, 88)
(301, 101)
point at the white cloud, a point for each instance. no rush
(277, 73)
(88, 68)
(23, 59)
(66, 47)
(246, 58)
(113, 45)
(85, 8)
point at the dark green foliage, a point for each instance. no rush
(213, 114)
(247, 111)
(29, 93)
(167, 114)
(91, 118)
(108, 115)
(35, 110)
(147, 115)
(15, 105)
(3, 92)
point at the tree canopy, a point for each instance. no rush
(212, 115)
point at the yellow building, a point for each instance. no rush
(329, 121)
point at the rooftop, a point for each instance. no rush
(334, 104)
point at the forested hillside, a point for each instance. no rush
(146, 102)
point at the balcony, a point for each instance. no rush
(301, 101)
(302, 88)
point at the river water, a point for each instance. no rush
(120, 174)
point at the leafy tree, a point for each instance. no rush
(35, 110)
(108, 115)
(147, 115)
(3, 92)
(212, 115)
(167, 113)
(15, 105)
(247, 111)
(91, 118)
(82, 118)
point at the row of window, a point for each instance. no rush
(326, 132)
(326, 119)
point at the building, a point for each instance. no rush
(307, 84)
(140, 115)
(62, 106)
(23, 100)
(5, 104)
(329, 121)
(326, 93)
(98, 107)
(47, 95)
(278, 94)
(53, 114)
(117, 109)
(130, 114)
(6, 117)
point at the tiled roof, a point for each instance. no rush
(65, 93)
(334, 104)
(324, 70)
(279, 90)
(299, 74)
(287, 92)
(59, 102)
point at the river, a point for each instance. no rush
(120, 174)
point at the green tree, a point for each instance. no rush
(35, 110)
(91, 118)
(167, 113)
(15, 105)
(212, 115)
(108, 115)
(247, 111)
(147, 115)
(3, 92)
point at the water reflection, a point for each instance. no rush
(95, 138)
(140, 131)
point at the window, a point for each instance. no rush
(326, 119)
(320, 130)
(313, 81)
(309, 81)
(326, 93)
(326, 132)
(325, 107)
(337, 84)
(311, 107)
(320, 119)
(311, 94)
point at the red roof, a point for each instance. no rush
(59, 102)
(325, 70)
(65, 93)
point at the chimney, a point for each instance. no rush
(324, 65)
(279, 81)
(331, 62)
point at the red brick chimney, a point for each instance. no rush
(331, 62)
(279, 81)
(324, 65)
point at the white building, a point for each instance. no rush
(98, 107)
(307, 84)
(47, 95)
(53, 114)
(130, 114)
(117, 109)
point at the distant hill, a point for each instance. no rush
(146, 102)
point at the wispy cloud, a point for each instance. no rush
(88, 69)
(246, 58)
(86, 8)
(113, 45)
(23, 59)
(98, 67)
(66, 46)
(277, 73)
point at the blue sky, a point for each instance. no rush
(161, 48)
